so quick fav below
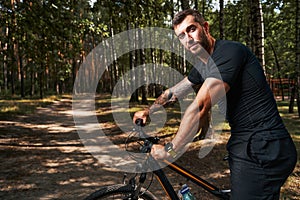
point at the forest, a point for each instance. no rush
(45, 42)
(52, 50)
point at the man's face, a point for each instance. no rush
(192, 35)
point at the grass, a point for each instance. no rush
(292, 121)
(13, 107)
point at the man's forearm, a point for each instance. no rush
(171, 95)
(196, 115)
(193, 120)
(166, 98)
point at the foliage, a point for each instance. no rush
(280, 32)
(43, 43)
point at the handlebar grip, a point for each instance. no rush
(139, 122)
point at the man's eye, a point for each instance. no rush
(193, 28)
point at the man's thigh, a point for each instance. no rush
(264, 171)
(249, 181)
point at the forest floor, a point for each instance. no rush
(42, 157)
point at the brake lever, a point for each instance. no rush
(148, 143)
(148, 140)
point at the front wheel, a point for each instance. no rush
(119, 191)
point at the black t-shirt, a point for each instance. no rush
(250, 103)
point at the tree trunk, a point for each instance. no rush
(261, 45)
(292, 99)
(22, 77)
(196, 5)
(4, 71)
(5, 63)
(221, 15)
(12, 48)
(41, 82)
(134, 58)
(142, 63)
(278, 69)
(185, 4)
(298, 54)
(32, 83)
(257, 25)
(298, 102)
(203, 7)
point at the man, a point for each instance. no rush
(261, 152)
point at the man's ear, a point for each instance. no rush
(206, 26)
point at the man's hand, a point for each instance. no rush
(141, 115)
(158, 152)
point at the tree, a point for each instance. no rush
(43, 43)
(221, 17)
(257, 30)
(297, 52)
(185, 4)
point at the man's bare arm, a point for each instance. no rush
(168, 97)
(171, 95)
(196, 114)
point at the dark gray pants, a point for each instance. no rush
(260, 166)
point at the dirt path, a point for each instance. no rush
(42, 158)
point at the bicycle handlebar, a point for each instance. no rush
(139, 122)
(148, 140)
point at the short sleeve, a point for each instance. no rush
(229, 57)
(195, 77)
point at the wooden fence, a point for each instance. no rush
(284, 85)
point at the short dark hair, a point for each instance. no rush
(179, 17)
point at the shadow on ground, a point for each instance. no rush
(42, 157)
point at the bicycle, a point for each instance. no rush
(134, 188)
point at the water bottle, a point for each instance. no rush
(186, 193)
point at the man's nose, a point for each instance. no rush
(189, 39)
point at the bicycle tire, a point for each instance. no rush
(119, 191)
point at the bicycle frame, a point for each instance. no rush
(168, 188)
(151, 163)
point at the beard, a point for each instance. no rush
(202, 45)
(204, 41)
